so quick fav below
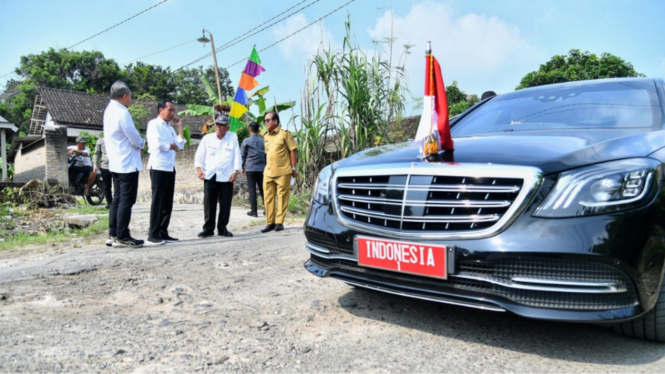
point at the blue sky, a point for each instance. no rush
(482, 44)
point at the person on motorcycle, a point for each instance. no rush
(83, 164)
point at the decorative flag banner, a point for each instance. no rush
(434, 126)
(247, 83)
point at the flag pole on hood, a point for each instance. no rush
(434, 126)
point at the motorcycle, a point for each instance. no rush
(78, 181)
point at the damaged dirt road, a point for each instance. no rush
(246, 304)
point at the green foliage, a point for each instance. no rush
(577, 66)
(458, 100)
(90, 71)
(348, 104)
(187, 133)
(242, 133)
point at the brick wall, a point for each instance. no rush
(56, 156)
(188, 187)
(29, 164)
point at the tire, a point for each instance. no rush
(96, 194)
(650, 326)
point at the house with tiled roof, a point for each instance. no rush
(58, 118)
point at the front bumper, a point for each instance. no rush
(620, 250)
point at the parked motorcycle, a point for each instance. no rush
(78, 181)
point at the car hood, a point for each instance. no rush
(551, 151)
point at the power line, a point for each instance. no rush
(10, 73)
(118, 24)
(242, 37)
(163, 50)
(292, 34)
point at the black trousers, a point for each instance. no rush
(163, 187)
(254, 178)
(217, 193)
(108, 183)
(125, 189)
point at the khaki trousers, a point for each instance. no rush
(276, 185)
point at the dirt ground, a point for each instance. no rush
(246, 304)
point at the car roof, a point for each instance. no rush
(581, 83)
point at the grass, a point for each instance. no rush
(23, 239)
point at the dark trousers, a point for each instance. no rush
(163, 187)
(254, 178)
(213, 193)
(108, 183)
(125, 188)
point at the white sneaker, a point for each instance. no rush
(109, 241)
(149, 243)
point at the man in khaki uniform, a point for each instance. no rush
(281, 161)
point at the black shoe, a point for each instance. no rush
(226, 233)
(128, 242)
(205, 234)
(252, 214)
(268, 228)
(169, 239)
(279, 227)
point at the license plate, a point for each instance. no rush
(405, 257)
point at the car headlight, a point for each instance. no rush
(322, 187)
(602, 188)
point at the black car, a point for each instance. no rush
(551, 206)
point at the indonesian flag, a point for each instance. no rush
(434, 119)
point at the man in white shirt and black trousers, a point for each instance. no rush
(217, 163)
(163, 143)
(123, 146)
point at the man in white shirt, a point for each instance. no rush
(123, 146)
(217, 163)
(82, 165)
(163, 143)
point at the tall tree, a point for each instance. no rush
(578, 66)
(191, 90)
(87, 71)
(150, 79)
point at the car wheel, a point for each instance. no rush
(650, 326)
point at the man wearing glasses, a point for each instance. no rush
(281, 161)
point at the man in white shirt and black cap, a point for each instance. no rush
(163, 143)
(218, 163)
(123, 146)
(82, 165)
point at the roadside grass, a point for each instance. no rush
(23, 239)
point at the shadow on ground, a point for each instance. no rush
(561, 341)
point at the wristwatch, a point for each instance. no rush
(293, 168)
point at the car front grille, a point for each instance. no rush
(422, 202)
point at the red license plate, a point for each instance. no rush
(404, 257)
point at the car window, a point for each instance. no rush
(618, 104)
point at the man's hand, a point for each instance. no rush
(199, 172)
(233, 176)
(294, 173)
(243, 171)
(177, 122)
(95, 170)
(174, 147)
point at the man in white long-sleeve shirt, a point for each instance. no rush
(163, 143)
(123, 146)
(217, 163)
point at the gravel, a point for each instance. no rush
(246, 304)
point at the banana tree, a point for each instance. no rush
(260, 102)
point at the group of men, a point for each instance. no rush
(268, 161)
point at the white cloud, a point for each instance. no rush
(306, 42)
(467, 46)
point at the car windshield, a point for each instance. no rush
(620, 104)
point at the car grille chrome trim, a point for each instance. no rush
(357, 206)
(416, 296)
(324, 253)
(554, 286)
(439, 204)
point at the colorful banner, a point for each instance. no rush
(247, 83)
